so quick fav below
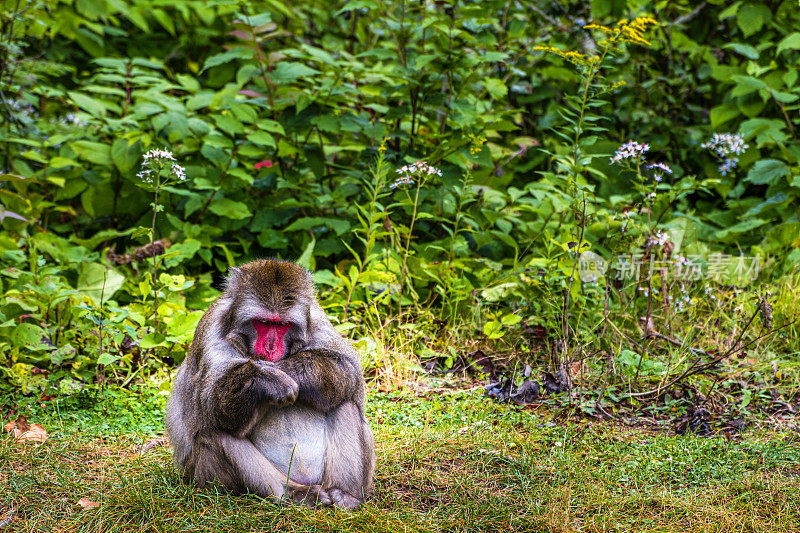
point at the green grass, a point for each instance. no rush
(446, 462)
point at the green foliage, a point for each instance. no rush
(291, 123)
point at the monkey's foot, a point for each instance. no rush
(343, 500)
(312, 496)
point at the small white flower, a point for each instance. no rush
(724, 144)
(155, 161)
(659, 238)
(727, 165)
(158, 154)
(178, 171)
(417, 169)
(630, 150)
(402, 180)
(420, 168)
(660, 169)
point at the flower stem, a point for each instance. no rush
(155, 256)
(407, 246)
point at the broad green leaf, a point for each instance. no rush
(107, 358)
(723, 113)
(62, 162)
(496, 87)
(94, 152)
(288, 71)
(87, 103)
(737, 229)
(767, 171)
(337, 225)
(751, 18)
(229, 124)
(95, 280)
(746, 85)
(744, 49)
(124, 156)
(306, 259)
(31, 337)
(152, 340)
(262, 138)
(226, 57)
(228, 208)
(790, 42)
(770, 202)
(271, 125)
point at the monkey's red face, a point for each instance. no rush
(269, 338)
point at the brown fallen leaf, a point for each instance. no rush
(34, 433)
(86, 503)
(10, 426)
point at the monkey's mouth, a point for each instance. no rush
(269, 338)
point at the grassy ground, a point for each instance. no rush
(446, 462)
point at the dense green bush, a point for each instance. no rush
(291, 121)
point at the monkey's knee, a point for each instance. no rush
(350, 455)
(208, 464)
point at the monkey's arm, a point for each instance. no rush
(237, 394)
(326, 378)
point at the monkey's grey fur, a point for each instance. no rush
(289, 429)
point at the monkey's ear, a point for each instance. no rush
(233, 276)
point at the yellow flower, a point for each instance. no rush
(604, 29)
(626, 31)
(576, 58)
(382, 147)
(476, 142)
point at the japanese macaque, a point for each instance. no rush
(270, 398)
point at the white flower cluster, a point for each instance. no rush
(402, 180)
(660, 170)
(155, 160)
(419, 168)
(630, 150)
(178, 171)
(727, 165)
(726, 145)
(659, 238)
(158, 154)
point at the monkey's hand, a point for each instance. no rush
(273, 385)
(236, 397)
